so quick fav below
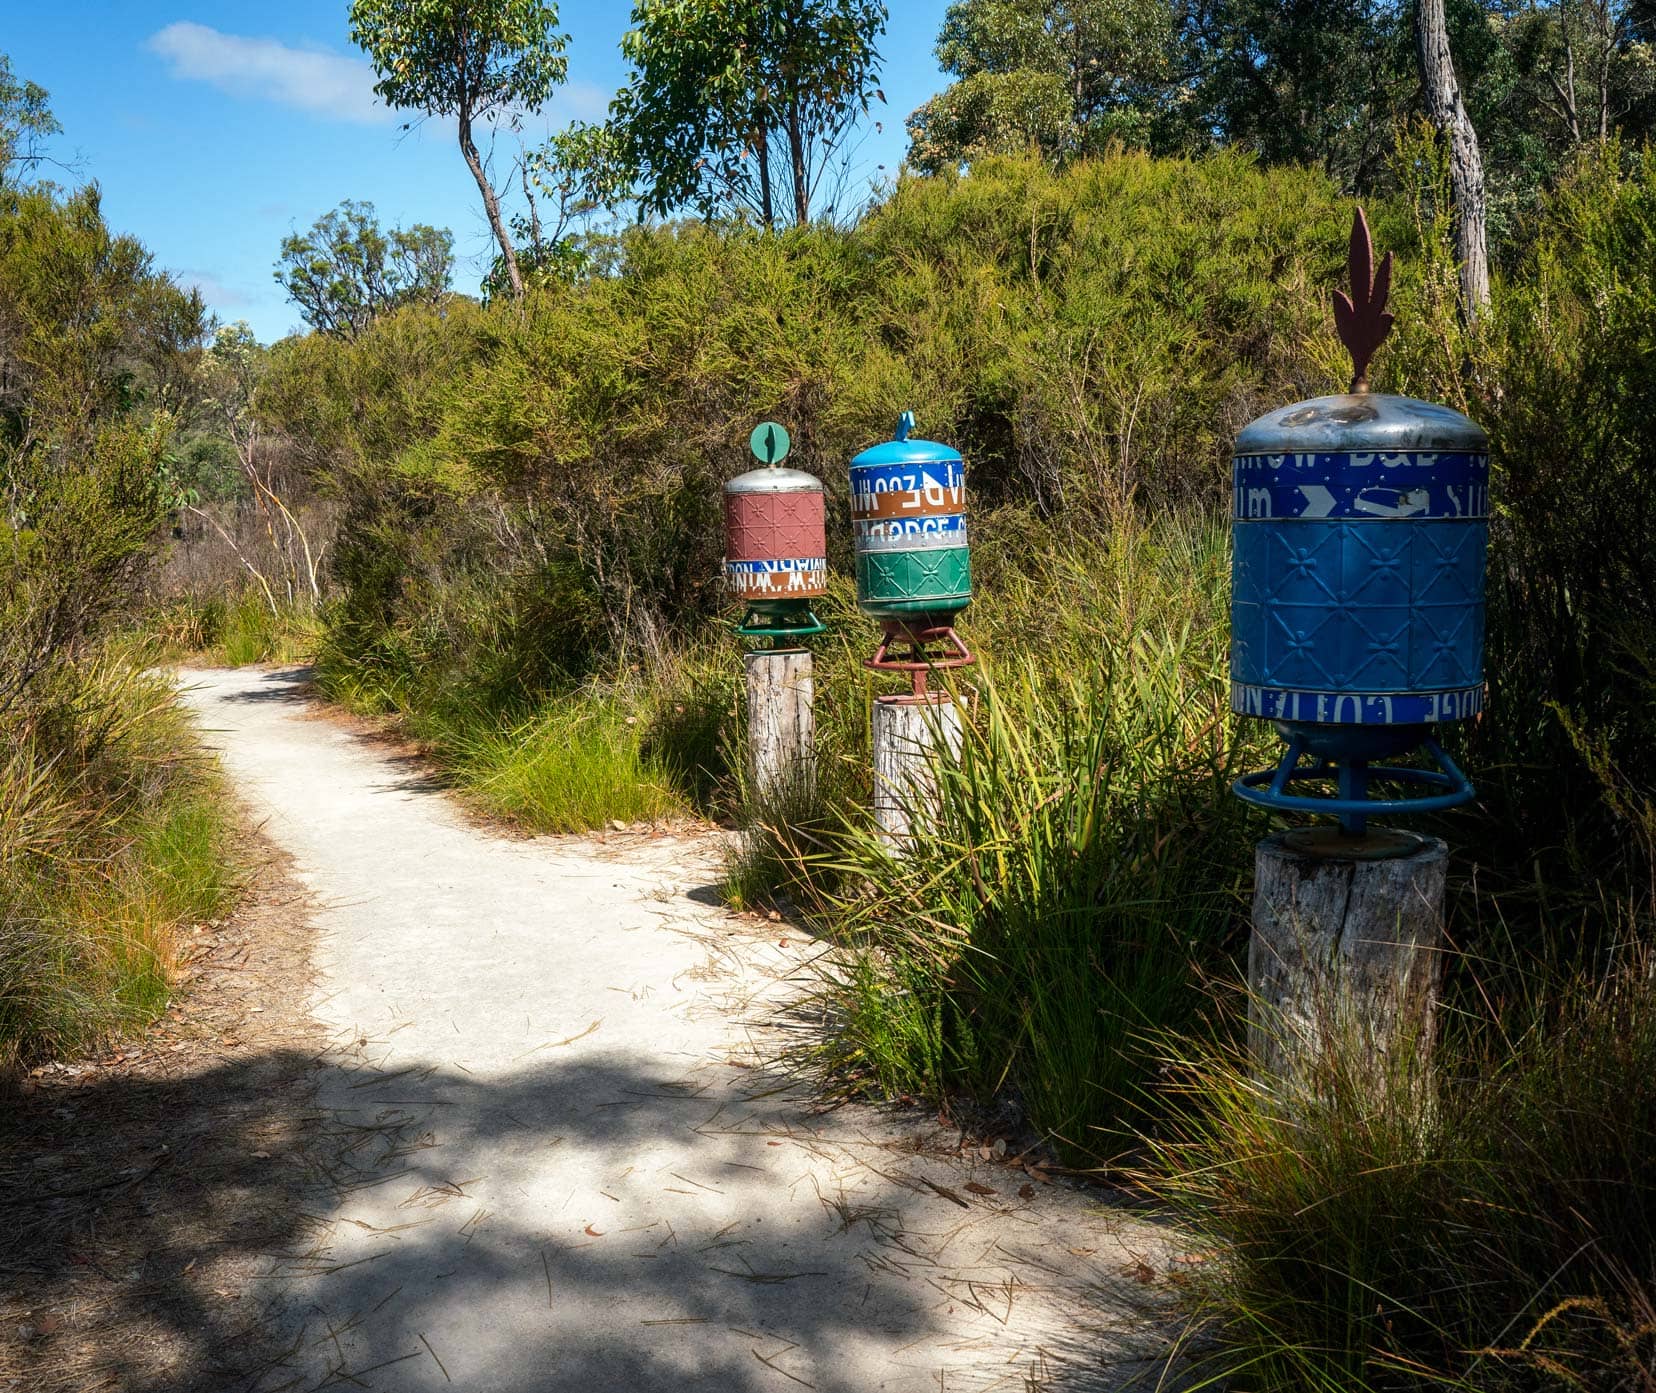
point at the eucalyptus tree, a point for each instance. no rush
(732, 103)
(1447, 111)
(1058, 78)
(346, 270)
(473, 60)
(26, 121)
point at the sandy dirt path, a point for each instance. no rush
(561, 1161)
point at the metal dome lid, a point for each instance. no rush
(1357, 421)
(770, 443)
(774, 479)
(900, 449)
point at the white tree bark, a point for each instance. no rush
(1466, 178)
(1345, 953)
(907, 737)
(781, 692)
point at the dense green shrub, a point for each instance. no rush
(113, 834)
(1088, 338)
(1567, 388)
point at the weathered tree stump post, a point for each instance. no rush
(1346, 953)
(1359, 531)
(910, 733)
(781, 723)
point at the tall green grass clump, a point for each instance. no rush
(574, 766)
(1084, 864)
(114, 839)
(233, 630)
(786, 855)
(1494, 1231)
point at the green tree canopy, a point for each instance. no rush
(580, 175)
(745, 103)
(1061, 78)
(97, 346)
(1323, 82)
(469, 59)
(25, 121)
(345, 270)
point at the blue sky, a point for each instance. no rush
(216, 128)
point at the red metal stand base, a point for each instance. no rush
(920, 639)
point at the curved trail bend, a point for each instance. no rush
(558, 1161)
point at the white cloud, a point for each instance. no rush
(313, 80)
(213, 290)
(585, 101)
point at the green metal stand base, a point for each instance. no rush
(777, 627)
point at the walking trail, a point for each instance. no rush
(565, 1160)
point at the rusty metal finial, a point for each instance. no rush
(1361, 317)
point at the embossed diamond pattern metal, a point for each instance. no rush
(774, 526)
(895, 482)
(901, 583)
(1388, 606)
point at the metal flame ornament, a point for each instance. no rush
(1361, 318)
(776, 551)
(1360, 528)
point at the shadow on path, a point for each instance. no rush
(727, 1294)
(291, 685)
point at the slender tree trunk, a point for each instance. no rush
(1566, 92)
(1607, 55)
(767, 212)
(796, 154)
(534, 208)
(491, 205)
(1466, 180)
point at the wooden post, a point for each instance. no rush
(907, 732)
(1345, 950)
(781, 723)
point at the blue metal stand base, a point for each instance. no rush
(1351, 801)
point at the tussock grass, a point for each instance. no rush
(113, 839)
(573, 767)
(1083, 866)
(234, 630)
(1492, 1230)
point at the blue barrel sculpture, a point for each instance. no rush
(1357, 602)
(914, 568)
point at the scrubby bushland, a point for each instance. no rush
(529, 497)
(110, 836)
(526, 570)
(1493, 1230)
(243, 573)
(524, 492)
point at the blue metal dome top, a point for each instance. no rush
(902, 449)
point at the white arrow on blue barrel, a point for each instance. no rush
(1319, 502)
